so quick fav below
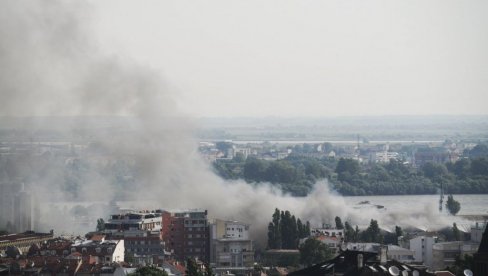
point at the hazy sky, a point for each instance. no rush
(306, 58)
(309, 58)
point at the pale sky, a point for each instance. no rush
(307, 58)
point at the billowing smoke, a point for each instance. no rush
(50, 68)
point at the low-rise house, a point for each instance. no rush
(107, 251)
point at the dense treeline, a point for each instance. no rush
(297, 174)
(284, 231)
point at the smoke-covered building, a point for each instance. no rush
(19, 208)
(23, 241)
(230, 246)
(24, 211)
(142, 233)
(186, 234)
(134, 222)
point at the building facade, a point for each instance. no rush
(230, 245)
(422, 248)
(186, 234)
(142, 233)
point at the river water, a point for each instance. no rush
(470, 204)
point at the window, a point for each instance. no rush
(83, 250)
(98, 250)
(109, 250)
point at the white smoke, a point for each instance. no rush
(49, 68)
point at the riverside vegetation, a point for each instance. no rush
(297, 174)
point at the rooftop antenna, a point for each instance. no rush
(468, 272)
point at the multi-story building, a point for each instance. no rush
(422, 248)
(383, 156)
(444, 254)
(400, 254)
(477, 232)
(480, 260)
(230, 246)
(142, 233)
(134, 222)
(186, 234)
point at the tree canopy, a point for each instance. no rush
(313, 251)
(452, 205)
(285, 230)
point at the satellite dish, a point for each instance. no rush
(415, 273)
(394, 270)
(468, 272)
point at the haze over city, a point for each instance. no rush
(281, 119)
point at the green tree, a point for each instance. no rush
(100, 225)
(398, 233)
(192, 268)
(373, 233)
(274, 231)
(338, 223)
(456, 232)
(433, 170)
(148, 271)
(356, 234)
(452, 205)
(255, 169)
(348, 232)
(346, 168)
(314, 252)
(271, 236)
(479, 166)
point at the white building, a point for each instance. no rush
(444, 254)
(400, 254)
(329, 232)
(384, 156)
(106, 251)
(135, 221)
(477, 232)
(422, 248)
(230, 246)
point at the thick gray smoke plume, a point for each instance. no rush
(49, 68)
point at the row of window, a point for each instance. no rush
(195, 222)
(143, 242)
(142, 250)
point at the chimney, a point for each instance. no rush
(360, 261)
(383, 255)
